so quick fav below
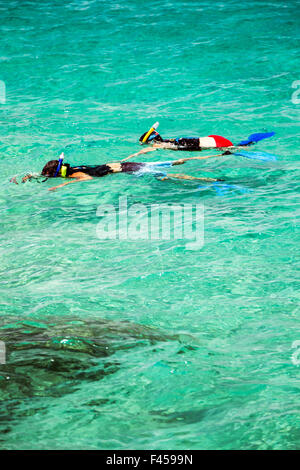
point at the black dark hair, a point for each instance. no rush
(50, 168)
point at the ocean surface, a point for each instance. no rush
(146, 343)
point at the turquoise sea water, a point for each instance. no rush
(147, 344)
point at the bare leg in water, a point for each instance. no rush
(181, 161)
(188, 177)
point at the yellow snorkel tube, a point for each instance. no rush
(153, 128)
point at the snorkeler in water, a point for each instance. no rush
(57, 168)
(184, 143)
(197, 144)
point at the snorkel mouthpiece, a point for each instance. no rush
(61, 158)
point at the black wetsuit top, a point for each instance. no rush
(102, 170)
(184, 143)
(91, 170)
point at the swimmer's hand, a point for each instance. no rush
(25, 178)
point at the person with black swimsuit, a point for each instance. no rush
(86, 172)
(190, 144)
(56, 168)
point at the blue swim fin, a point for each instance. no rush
(253, 138)
(222, 189)
(263, 156)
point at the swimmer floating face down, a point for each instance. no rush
(199, 143)
(184, 143)
(54, 168)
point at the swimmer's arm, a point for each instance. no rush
(181, 161)
(165, 145)
(75, 180)
(146, 150)
(188, 177)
